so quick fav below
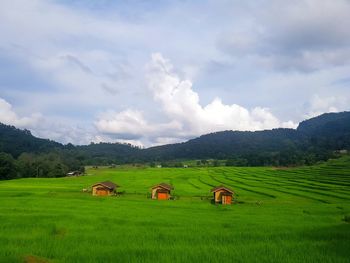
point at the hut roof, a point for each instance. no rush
(221, 187)
(164, 185)
(108, 184)
(73, 172)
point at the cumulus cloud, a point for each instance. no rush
(71, 61)
(181, 106)
(180, 102)
(10, 117)
(131, 125)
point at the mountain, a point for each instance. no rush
(24, 155)
(227, 144)
(107, 153)
(15, 141)
(329, 130)
(314, 140)
(327, 124)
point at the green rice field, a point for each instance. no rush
(279, 215)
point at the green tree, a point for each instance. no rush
(8, 169)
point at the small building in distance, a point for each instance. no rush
(222, 195)
(104, 188)
(343, 151)
(74, 173)
(161, 191)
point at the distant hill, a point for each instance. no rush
(15, 141)
(329, 130)
(314, 139)
(107, 153)
(227, 144)
(327, 123)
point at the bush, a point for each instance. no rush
(347, 218)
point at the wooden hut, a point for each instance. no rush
(74, 173)
(104, 188)
(161, 191)
(222, 195)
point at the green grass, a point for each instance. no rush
(280, 215)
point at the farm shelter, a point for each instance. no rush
(74, 173)
(222, 195)
(161, 191)
(104, 188)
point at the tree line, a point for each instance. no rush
(48, 165)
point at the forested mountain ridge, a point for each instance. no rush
(314, 140)
(329, 130)
(226, 144)
(15, 141)
(325, 123)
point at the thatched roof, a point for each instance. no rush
(164, 186)
(107, 184)
(221, 187)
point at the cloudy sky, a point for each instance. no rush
(156, 72)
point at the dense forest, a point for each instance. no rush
(316, 139)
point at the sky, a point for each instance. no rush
(156, 72)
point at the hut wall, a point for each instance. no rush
(226, 199)
(155, 193)
(94, 190)
(218, 195)
(163, 196)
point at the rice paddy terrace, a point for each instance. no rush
(279, 215)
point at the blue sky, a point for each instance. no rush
(155, 72)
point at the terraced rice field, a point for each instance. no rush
(279, 215)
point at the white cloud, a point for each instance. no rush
(180, 105)
(79, 55)
(127, 124)
(63, 131)
(131, 125)
(180, 102)
(319, 105)
(10, 117)
(70, 62)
